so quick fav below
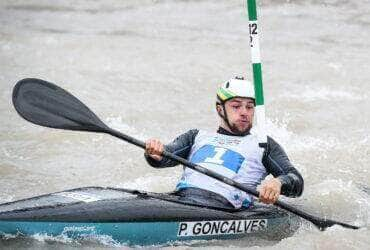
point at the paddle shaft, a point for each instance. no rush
(320, 223)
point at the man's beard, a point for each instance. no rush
(235, 130)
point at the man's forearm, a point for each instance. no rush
(277, 163)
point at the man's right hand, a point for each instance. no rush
(154, 149)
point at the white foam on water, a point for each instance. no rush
(335, 237)
(116, 122)
(8, 198)
(104, 240)
(278, 130)
(43, 237)
(308, 92)
(154, 182)
(340, 200)
(93, 240)
(8, 236)
(335, 66)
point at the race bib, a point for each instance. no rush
(218, 155)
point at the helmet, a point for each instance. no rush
(235, 87)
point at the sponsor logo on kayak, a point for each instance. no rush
(202, 228)
(79, 229)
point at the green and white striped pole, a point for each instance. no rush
(257, 71)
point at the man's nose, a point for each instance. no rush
(243, 111)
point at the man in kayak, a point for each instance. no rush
(233, 151)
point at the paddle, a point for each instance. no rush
(46, 104)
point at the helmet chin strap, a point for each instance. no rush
(226, 119)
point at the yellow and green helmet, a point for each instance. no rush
(235, 87)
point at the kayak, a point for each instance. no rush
(135, 217)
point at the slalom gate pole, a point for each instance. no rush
(257, 72)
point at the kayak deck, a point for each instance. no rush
(138, 218)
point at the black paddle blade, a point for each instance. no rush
(323, 224)
(46, 104)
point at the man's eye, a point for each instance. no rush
(236, 106)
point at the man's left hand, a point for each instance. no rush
(270, 191)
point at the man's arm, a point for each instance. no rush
(181, 146)
(277, 163)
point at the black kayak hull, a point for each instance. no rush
(138, 218)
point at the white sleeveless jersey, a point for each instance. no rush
(238, 158)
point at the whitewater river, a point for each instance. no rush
(151, 69)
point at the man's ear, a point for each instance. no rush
(218, 108)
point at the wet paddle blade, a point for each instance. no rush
(46, 104)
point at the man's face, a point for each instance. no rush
(240, 112)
